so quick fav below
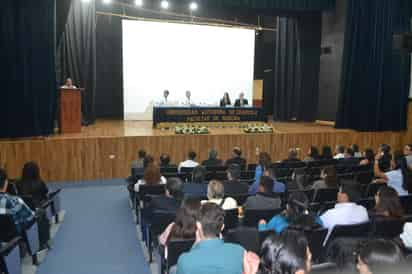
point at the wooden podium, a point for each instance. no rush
(70, 110)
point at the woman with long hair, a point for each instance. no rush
(326, 153)
(151, 176)
(31, 184)
(387, 204)
(225, 101)
(369, 158)
(399, 177)
(296, 216)
(313, 154)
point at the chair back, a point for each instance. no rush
(231, 219)
(186, 170)
(372, 189)
(252, 216)
(386, 228)
(316, 237)
(247, 175)
(364, 177)
(8, 228)
(247, 237)
(325, 195)
(251, 167)
(150, 190)
(195, 190)
(160, 220)
(168, 169)
(353, 231)
(367, 203)
(406, 202)
(175, 249)
(216, 168)
(240, 199)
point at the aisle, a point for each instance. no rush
(98, 235)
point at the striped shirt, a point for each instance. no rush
(15, 207)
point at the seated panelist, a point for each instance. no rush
(165, 96)
(225, 101)
(241, 102)
(68, 84)
(188, 100)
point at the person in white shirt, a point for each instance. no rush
(340, 152)
(216, 195)
(165, 96)
(68, 84)
(346, 211)
(398, 177)
(190, 162)
(188, 98)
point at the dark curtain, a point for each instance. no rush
(77, 54)
(299, 5)
(375, 77)
(296, 68)
(27, 72)
(109, 53)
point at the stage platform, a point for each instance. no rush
(104, 150)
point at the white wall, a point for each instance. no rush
(203, 59)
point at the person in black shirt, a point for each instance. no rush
(241, 101)
(32, 185)
(172, 199)
(225, 101)
(212, 160)
(236, 158)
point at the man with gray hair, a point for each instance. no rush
(241, 101)
(212, 161)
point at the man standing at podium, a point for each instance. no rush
(68, 84)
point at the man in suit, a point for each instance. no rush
(211, 254)
(172, 199)
(264, 199)
(233, 186)
(236, 158)
(241, 102)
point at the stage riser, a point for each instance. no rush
(109, 157)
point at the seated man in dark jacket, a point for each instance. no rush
(233, 186)
(236, 158)
(172, 199)
(264, 199)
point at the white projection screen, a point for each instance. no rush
(206, 60)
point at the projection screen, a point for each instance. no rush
(205, 60)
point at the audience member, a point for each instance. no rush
(278, 187)
(184, 225)
(385, 157)
(379, 256)
(346, 211)
(399, 177)
(139, 163)
(369, 158)
(216, 195)
(199, 174)
(407, 151)
(264, 163)
(406, 236)
(287, 253)
(189, 162)
(349, 153)
(236, 158)
(233, 186)
(164, 160)
(326, 153)
(148, 160)
(264, 198)
(151, 176)
(356, 152)
(292, 156)
(212, 161)
(211, 254)
(313, 154)
(329, 179)
(339, 152)
(14, 206)
(295, 216)
(172, 199)
(32, 185)
(387, 204)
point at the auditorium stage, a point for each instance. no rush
(104, 150)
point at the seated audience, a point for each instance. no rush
(407, 151)
(14, 206)
(295, 216)
(346, 211)
(151, 176)
(356, 152)
(190, 162)
(236, 158)
(233, 186)
(399, 177)
(387, 204)
(369, 158)
(278, 187)
(32, 185)
(164, 160)
(172, 199)
(184, 225)
(292, 156)
(216, 195)
(349, 153)
(264, 198)
(340, 152)
(379, 256)
(147, 161)
(212, 161)
(406, 236)
(385, 157)
(329, 179)
(139, 163)
(287, 253)
(211, 254)
(199, 175)
(313, 154)
(326, 153)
